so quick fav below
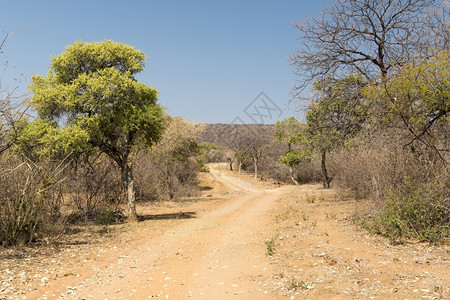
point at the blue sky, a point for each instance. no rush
(208, 59)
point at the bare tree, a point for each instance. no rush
(368, 37)
(239, 146)
(231, 157)
(237, 143)
(258, 147)
(11, 109)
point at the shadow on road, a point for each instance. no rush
(180, 215)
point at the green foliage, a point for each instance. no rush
(107, 216)
(296, 285)
(82, 58)
(91, 93)
(270, 244)
(288, 131)
(414, 213)
(415, 99)
(169, 170)
(208, 152)
(294, 158)
(291, 132)
(90, 99)
(337, 114)
(43, 138)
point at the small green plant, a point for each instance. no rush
(107, 217)
(396, 259)
(314, 224)
(303, 285)
(74, 217)
(310, 199)
(355, 218)
(305, 217)
(331, 216)
(271, 246)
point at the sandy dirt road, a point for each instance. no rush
(220, 255)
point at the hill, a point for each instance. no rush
(224, 134)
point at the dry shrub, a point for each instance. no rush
(30, 200)
(93, 188)
(160, 178)
(409, 186)
(169, 170)
(311, 172)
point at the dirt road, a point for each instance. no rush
(217, 256)
(216, 248)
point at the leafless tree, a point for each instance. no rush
(258, 147)
(237, 143)
(11, 109)
(239, 149)
(370, 37)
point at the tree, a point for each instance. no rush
(238, 145)
(291, 132)
(241, 154)
(337, 114)
(368, 37)
(257, 148)
(175, 159)
(91, 91)
(416, 101)
(11, 110)
(230, 156)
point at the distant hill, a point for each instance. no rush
(223, 134)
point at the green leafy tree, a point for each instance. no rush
(335, 115)
(416, 101)
(91, 94)
(291, 132)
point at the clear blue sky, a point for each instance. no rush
(208, 59)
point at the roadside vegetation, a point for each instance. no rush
(378, 117)
(89, 139)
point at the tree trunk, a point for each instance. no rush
(256, 167)
(230, 161)
(128, 184)
(291, 174)
(326, 179)
(240, 167)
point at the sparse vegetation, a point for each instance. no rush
(331, 216)
(303, 285)
(270, 245)
(310, 199)
(414, 213)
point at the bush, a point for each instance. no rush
(30, 200)
(415, 213)
(163, 178)
(169, 170)
(408, 187)
(107, 216)
(92, 183)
